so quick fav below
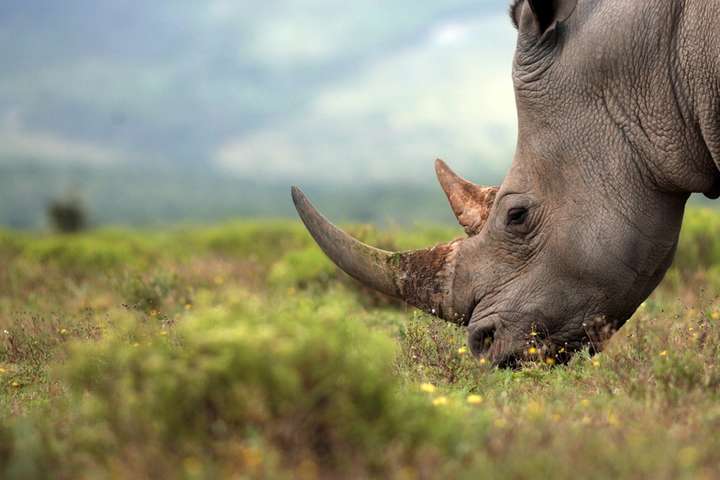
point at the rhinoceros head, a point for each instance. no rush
(586, 222)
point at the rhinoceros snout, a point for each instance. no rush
(480, 338)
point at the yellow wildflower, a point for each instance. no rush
(192, 465)
(307, 470)
(474, 399)
(63, 331)
(532, 351)
(663, 353)
(596, 363)
(550, 361)
(427, 388)
(613, 419)
(15, 384)
(535, 408)
(687, 456)
(440, 401)
(252, 457)
(483, 361)
(462, 350)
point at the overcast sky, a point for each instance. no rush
(367, 90)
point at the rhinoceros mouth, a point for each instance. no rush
(489, 338)
(508, 339)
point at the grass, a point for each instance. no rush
(240, 351)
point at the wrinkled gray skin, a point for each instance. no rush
(618, 123)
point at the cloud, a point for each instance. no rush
(315, 89)
(21, 144)
(448, 95)
(288, 33)
(450, 33)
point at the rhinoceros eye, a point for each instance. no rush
(517, 216)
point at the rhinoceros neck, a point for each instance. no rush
(697, 50)
(669, 108)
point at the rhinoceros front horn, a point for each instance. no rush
(422, 278)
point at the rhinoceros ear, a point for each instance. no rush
(548, 12)
(471, 203)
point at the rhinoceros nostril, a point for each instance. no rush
(480, 338)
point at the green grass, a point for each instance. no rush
(241, 351)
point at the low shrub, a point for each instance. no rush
(261, 241)
(229, 393)
(80, 255)
(303, 269)
(698, 248)
(148, 292)
(436, 351)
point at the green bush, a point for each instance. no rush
(80, 254)
(302, 269)
(698, 248)
(261, 241)
(11, 243)
(292, 383)
(148, 292)
(438, 352)
(97, 251)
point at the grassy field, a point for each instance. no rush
(239, 351)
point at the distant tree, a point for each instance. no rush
(67, 215)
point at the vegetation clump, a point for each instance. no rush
(200, 353)
(238, 391)
(67, 215)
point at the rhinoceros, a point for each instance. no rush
(618, 106)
